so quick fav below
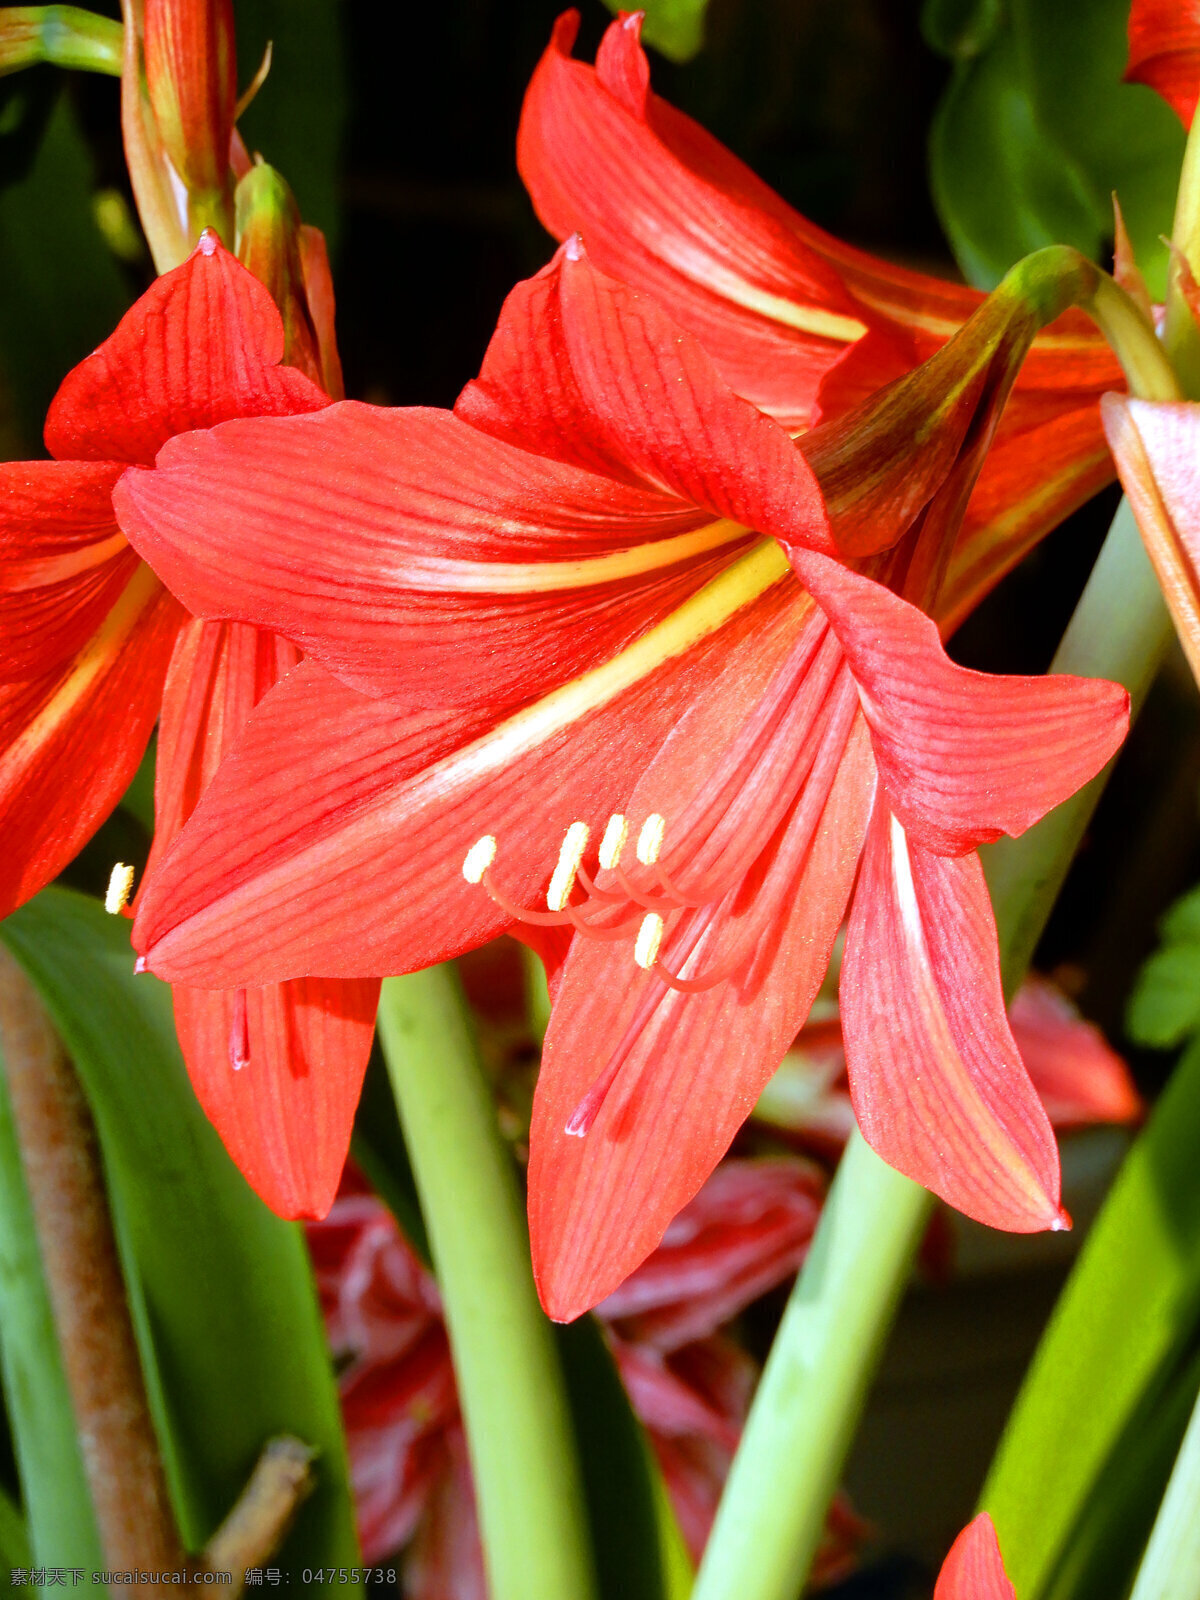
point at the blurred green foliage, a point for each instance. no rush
(1036, 131)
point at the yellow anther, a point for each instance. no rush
(479, 858)
(120, 886)
(645, 952)
(613, 841)
(569, 858)
(649, 845)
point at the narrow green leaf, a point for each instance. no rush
(673, 27)
(14, 1536)
(1165, 1005)
(1121, 1327)
(221, 1290)
(63, 292)
(62, 1529)
(637, 1547)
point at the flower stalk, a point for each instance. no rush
(527, 1482)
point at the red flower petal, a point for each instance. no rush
(375, 538)
(974, 1570)
(1164, 51)
(71, 739)
(965, 756)
(202, 344)
(286, 1115)
(937, 1081)
(583, 369)
(661, 205)
(63, 561)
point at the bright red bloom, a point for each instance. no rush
(974, 1569)
(747, 1230)
(546, 564)
(1164, 51)
(93, 646)
(796, 321)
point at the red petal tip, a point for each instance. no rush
(210, 242)
(140, 965)
(573, 248)
(632, 21)
(1062, 1222)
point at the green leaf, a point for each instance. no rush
(14, 1536)
(673, 27)
(299, 114)
(221, 1290)
(1108, 1370)
(1037, 130)
(62, 291)
(1165, 1005)
(62, 1528)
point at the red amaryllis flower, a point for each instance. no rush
(796, 321)
(1164, 51)
(93, 647)
(747, 1230)
(974, 1569)
(1080, 1079)
(567, 564)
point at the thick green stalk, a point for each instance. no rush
(808, 1403)
(784, 1475)
(510, 1386)
(1170, 1569)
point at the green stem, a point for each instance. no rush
(772, 1514)
(510, 1387)
(1119, 630)
(1170, 1569)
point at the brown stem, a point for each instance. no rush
(61, 1160)
(256, 1526)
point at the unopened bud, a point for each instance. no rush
(268, 243)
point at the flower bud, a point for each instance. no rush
(268, 243)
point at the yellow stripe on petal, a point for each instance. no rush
(92, 662)
(446, 573)
(739, 585)
(39, 572)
